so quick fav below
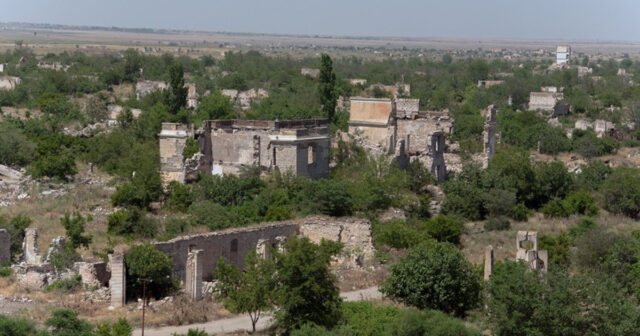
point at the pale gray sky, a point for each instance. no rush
(528, 19)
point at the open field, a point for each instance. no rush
(195, 43)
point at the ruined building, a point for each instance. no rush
(145, 87)
(226, 146)
(545, 101)
(9, 82)
(527, 251)
(562, 55)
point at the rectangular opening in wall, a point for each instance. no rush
(310, 154)
(273, 157)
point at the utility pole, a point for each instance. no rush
(144, 301)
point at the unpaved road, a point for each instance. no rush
(242, 322)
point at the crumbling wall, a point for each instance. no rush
(232, 245)
(436, 151)
(172, 140)
(545, 101)
(354, 233)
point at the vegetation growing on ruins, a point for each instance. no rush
(591, 288)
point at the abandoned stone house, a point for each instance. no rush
(114, 112)
(399, 127)
(545, 101)
(226, 146)
(9, 82)
(145, 87)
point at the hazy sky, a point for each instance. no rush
(530, 19)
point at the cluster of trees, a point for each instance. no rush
(63, 322)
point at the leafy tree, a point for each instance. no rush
(96, 109)
(65, 322)
(327, 196)
(132, 65)
(74, 226)
(131, 221)
(621, 192)
(215, 106)
(444, 229)
(593, 175)
(307, 290)
(552, 180)
(15, 148)
(177, 96)
(15, 226)
(249, 290)
(327, 88)
(434, 275)
(144, 188)
(180, 197)
(146, 264)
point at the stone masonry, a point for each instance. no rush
(5, 247)
(234, 244)
(488, 262)
(527, 251)
(193, 275)
(30, 247)
(118, 283)
(226, 146)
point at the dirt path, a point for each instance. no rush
(242, 322)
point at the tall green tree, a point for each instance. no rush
(327, 88)
(307, 290)
(147, 265)
(74, 226)
(177, 96)
(246, 291)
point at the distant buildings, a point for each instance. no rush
(145, 87)
(562, 55)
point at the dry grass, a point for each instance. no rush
(46, 210)
(476, 239)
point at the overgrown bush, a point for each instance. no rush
(132, 221)
(497, 224)
(66, 285)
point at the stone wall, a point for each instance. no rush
(172, 141)
(232, 245)
(545, 101)
(5, 246)
(354, 233)
(30, 247)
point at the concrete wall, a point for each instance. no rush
(172, 140)
(232, 245)
(417, 132)
(5, 246)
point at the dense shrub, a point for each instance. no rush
(497, 224)
(132, 221)
(396, 234)
(66, 285)
(621, 192)
(144, 188)
(434, 275)
(179, 197)
(444, 229)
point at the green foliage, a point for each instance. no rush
(132, 221)
(65, 285)
(213, 215)
(552, 180)
(65, 322)
(558, 248)
(581, 228)
(146, 264)
(327, 88)
(397, 234)
(621, 192)
(74, 227)
(444, 229)
(522, 302)
(144, 188)
(17, 326)
(497, 224)
(193, 332)
(307, 289)
(554, 209)
(589, 145)
(5, 272)
(469, 127)
(15, 226)
(434, 275)
(228, 189)
(329, 197)
(15, 148)
(593, 175)
(192, 147)
(511, 169)
(177, 94)
(118, 328)
(499, 202)
(179, 197)
(526, 129)
(250, 290)
(580, 202)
